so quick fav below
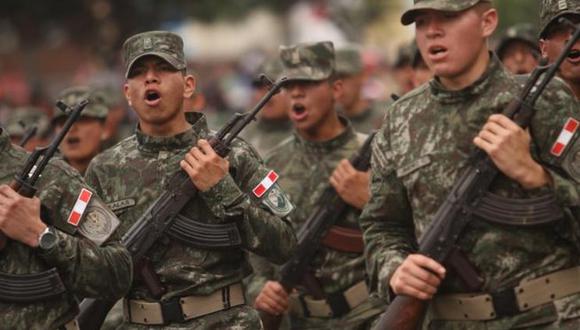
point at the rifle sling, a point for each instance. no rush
(519, 212)
(344, 239)
(28, 288)
(204, 235)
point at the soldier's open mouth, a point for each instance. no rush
(73, 140)
(152, 96)
(574, 54)
(298, 109)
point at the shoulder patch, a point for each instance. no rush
(80, 207)
(566, 136)
(99, 223)
(265, 184)
(277, 201)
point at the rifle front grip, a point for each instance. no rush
(219, 147)
(269, 321)
(404, 313)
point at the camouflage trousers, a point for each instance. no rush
(236, 318)
(361, 318)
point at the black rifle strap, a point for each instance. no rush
(204, 235)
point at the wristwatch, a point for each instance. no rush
(47, 239)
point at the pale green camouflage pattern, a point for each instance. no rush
(264, 135)
(554, 9)
(523, 32)
(29, 117)
(370, 119)
(308, 61)
(97, 107)
(86, 269)
(167, 45)
(272, 68)
(132, 174)
(305, 168)
(419, 152)
(443, 5)
(348, 61)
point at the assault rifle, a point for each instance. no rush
(163, 213)
(331, 208)
(439, 241)
(27, 288)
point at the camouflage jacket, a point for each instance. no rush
(86, 269)
(132, 174)
(266, 134)
(370, 119)
(305, 168)
(423, 146)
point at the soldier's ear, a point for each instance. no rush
(190, 84)
(337, 88)
(543, 47)
(126, 93)
(489, 21)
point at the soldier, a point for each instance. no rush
(554, 35)
(85, 138)
(518, 49)
(273, 125)
(201, 285)
(308, 161)
(424, 145)
(402, 67)
(74, 223)
(365, 115)
(421, 71)
(23, 121)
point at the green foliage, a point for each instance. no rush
(518, 11)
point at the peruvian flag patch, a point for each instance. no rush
(80, 206)
(265, 184)
(565, 137)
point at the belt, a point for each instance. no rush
(335, 305)
(181, 309)
(508, 302)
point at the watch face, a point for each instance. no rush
(48, 239)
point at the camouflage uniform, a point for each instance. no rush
(86, 269)
(423, 146)
(267, 133)
(305, 168)
(552, 10)
(349, 63)
(132, 174)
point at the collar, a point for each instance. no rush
(442, 95)
(155, 144)
(329, 145)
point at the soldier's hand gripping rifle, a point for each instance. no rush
(331, 208)
(439, 241)
(162, 214)
(28, 288)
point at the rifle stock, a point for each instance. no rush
(439, 240)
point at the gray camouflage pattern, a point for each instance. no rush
(305, 168)
(421, 149)
(348, 61)
(370, 119)
(86, 269)
(97, 107)
(167, 45)
(443, 5)
(29, 116)
(554, 9)
(308, 61)
(132, 174)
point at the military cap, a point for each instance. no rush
(97, 108)
(525, 33)
(348, 61)
(21, 119)
(166, 45)
(442, 5)
(308, 61)
(554, 9)
(405, 54)
(271, 67)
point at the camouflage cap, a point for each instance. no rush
(524, 32)
(21, 119)
(348, 61)
(97, 108)
(308, 61)
(167, 45)
(271, 67)
(553, 9)
(443, 5)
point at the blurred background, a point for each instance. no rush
(46, 46)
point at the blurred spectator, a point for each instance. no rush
(518, 49)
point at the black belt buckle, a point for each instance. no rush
(338, 304)
(505, 303)
(171, 311)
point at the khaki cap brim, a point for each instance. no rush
(409, 16)
(167, 57)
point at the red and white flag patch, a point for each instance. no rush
(80, 206)
(565, 137)
(265, 184)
